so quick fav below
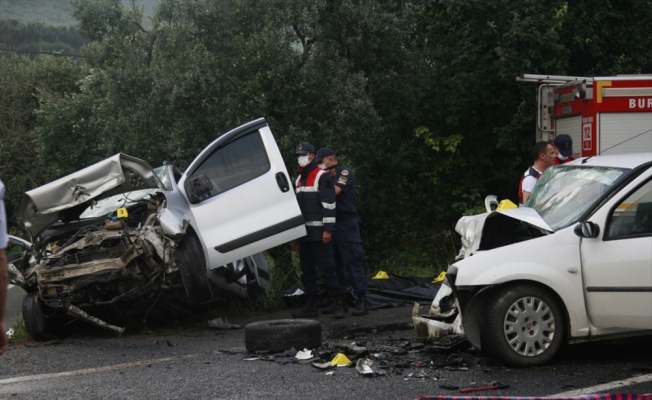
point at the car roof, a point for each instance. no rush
(629, 161)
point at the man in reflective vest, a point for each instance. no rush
(316, 197)
(543, 154)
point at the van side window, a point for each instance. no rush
(633, 216)
(237, 162)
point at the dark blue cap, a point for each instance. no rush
(324, 152)
(564, 144)
(304, 148)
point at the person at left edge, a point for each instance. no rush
(316, 198)
(4, 274)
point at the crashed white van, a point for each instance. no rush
(118, 236)
(574, 265)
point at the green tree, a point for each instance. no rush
(478, 49)
(419, 98)
(22, 82)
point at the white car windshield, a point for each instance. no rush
(564, 193)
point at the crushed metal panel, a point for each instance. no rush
(429, 330)
(470, 229)
(473, 228)
(529, 215)
(117, 174)
(444, 304)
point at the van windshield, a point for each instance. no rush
(564, 193)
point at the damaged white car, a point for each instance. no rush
(574, 265)
(117, 237)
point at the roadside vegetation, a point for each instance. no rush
(419, 98)
(18, 332)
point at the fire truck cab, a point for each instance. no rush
(603, 115)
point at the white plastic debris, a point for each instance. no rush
(304, 354)
(364, 366)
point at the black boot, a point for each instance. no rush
(309, 309)
(330, 308)
(339, 307)
(361, 306)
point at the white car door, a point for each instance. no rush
(240, 195)
(617, 265)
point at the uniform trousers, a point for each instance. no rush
(318, 258)
(349, 255)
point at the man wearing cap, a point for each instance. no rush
(316, 197)
(4, 273)
(564, 145)
(349, 253)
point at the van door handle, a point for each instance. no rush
(282, 182)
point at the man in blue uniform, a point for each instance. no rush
(349, 253)
(316, 197)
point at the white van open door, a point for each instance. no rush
(240, 195)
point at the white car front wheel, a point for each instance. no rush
(523, 326)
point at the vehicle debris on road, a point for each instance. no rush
(491, 386)
(222, 323)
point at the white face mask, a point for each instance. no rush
(322, 166)
(304, 160)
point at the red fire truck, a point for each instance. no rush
(603, 115)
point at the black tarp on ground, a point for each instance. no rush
(396, 291)
(401, 290)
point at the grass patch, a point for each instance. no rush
(420, 255)
(18, 332)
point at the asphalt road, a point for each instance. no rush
(187, 360)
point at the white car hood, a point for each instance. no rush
(471, 227)
(117, 174)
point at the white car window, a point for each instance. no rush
(563, 194)
(633, 216)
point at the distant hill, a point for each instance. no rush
(52, 12)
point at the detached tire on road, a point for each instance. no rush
(282, 334)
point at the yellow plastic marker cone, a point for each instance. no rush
(381, 275)
(440, 278)
(341, 360)
(506, 205)
(122, 212)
